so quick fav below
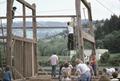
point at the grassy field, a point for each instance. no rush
(114, 54)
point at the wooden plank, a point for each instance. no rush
(34, 23)
(3, 37)
(26, 4)
(86, 4)
(43, 16)
(28, 59)
(24, 39)
(9, 32)
(34, 49)
(38, 27)
(24, 21)
(88, 37)
(79, 29)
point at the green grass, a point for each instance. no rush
(114, 54)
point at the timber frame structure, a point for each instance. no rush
(81, 35)
(24, 50)
(21, 53)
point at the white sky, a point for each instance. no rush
(67, 7)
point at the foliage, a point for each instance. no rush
(55, 43)
(112, 41)
(105, 58)
(112, 60)
(107, 34)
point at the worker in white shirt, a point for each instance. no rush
(54, 61)
(83, 70)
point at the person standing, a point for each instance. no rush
(83, 71)
(93, 63)
(54, 61)
(70, 37)
(91, 70)
(7, 75)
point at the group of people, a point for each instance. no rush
(109, 74)
(83, 70)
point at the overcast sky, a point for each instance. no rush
(67, 7)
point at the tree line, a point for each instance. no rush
(107, 34)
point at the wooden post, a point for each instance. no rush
(34, 23)
(34, 39)
(90, 20)
(23, 43)
(79, 28)
(24, 21)
(9, 32)
(74, 33)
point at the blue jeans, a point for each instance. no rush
(94, 68)
(53, 70)
(85, 77)
(5, 80)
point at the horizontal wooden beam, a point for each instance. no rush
(26, 4)
(43, 16)
(88, 37)
(86, 4)
(19, 38)
(3, 37)
(23, 39)
(37, 27)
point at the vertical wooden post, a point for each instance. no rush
(79, 28)
(34, 23)
(9, 32)
(90, 20)
(24, 21)
(74, 32)
(34, 39)
(23, 43)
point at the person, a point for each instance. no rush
(60, 69)
(115, 75)
(54, 61)
(7, 75)
(13, 12)
(91, 70)
(70, 29)
(109, 71)
(93, 63)
(116, 70)
(70, 37)
(66, 72)
(103, 76)
(83, 71)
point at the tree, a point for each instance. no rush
(107, 34)
(56, 43)
(112, 42)
(105, 58)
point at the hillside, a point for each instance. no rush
(42, 32)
